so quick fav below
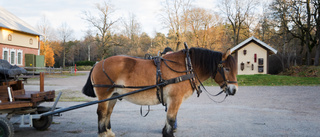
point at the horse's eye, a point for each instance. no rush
(227, 69)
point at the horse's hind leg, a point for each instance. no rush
(173, 107)
(104, 112)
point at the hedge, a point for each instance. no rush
(85, 63)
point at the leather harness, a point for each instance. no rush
(160, 82)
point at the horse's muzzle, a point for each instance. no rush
(232, 89)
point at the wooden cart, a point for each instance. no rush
(16, 102)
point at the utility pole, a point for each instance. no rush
(88, 52)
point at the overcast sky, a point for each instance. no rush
(70, 12)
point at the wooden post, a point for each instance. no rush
(41, 82)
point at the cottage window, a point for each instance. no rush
(242, 66)
(260, 61)
(19, 57)
(5, 55)
(9, 37)
(30, 41)
(13, 56)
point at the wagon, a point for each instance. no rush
(18, 105)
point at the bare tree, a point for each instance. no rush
(65, 35)
(132, 30)
(103, 23)
(174, 11)
(238, 13)
(301, 17)
(200, 20)
(280, 15)
(47, 33)
(44, 26)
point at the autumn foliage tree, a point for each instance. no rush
(47, 51)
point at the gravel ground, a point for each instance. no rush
(253, 111)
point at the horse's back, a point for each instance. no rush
(124, 68)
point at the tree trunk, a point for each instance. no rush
(316, 58)
(317, 16)
(308, 51)
(88, 52)
(179, 40)
(308, 33)
(64, 56)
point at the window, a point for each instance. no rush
(5, 54)
(260, 61)
(19, 60)
(30, 41)
(9, 37)
(13, 56)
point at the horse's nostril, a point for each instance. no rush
(234, 91)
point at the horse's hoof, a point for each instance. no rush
(109, 133)
(175, 130)
(165, 134)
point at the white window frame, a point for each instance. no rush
(14, 58)
(3, 50)
(21, 59)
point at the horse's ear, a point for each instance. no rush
(226, 54)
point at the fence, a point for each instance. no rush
(47, 70)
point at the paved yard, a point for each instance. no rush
(253, 111)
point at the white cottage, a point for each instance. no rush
(252, 56)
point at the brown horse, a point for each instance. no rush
(130, 71)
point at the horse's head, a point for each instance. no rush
(226, 75)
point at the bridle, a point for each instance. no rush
(224, 86)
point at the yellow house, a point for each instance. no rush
(17, 38)
(252, 56)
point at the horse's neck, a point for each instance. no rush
(202, 77)
(180, 58)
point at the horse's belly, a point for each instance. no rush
(142, 98)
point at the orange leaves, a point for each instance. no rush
(47, 51)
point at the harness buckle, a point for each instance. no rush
(220, 66)
(178, 79)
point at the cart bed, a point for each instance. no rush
(22, 98)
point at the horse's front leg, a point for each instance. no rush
(173, 107)
(104, 112)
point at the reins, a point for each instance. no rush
(224, 87)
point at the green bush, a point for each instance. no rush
(85, 63)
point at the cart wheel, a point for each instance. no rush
(43, 123)
(6, 128)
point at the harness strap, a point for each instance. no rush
(146, 113)
(190, 71)
(179, 79)
(157, 62)
(104, 71)
(119, 86)
(164, 82)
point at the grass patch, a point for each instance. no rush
(271, 80)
